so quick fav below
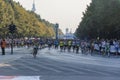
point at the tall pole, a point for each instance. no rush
(12, 43)
(56, 26)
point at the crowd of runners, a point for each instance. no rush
(103, 47)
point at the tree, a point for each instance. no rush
(26, 22)
(101, 19)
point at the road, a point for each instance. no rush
(56, 65)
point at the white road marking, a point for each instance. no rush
(95, 71)
(65, 68)
(28, 67)
(14, 68)
(45, 67)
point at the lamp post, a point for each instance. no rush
(56, 30)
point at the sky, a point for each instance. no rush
(67, 13)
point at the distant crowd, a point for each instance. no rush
(103, 47)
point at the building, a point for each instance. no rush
(67, 35)
(33, 6)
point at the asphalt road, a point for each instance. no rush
(58, 69)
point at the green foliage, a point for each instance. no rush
(28, 23)
(101, 19)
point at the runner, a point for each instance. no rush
(61, 45)
(69, 45)
(35, 48)
(56, 44)
(73, 45)
(65, 45)
(77, 45)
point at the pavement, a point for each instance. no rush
(69, 57)
(55, 65)
(63, 56)
(17, 53)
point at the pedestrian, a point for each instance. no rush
(3, 45)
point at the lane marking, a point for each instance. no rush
(28, 67)
(65, 68)
(94, 71)
(14, 68)
(45, 67)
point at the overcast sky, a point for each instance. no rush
(67, 13)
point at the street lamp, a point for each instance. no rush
(56, 30)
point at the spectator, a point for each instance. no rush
(3, 45)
